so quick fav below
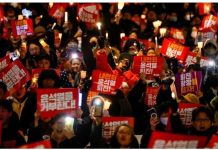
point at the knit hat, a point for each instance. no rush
(131, 42)
(210, 41)
(191, 98)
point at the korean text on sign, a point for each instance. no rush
(111, 123)
(22, 27)
(191, 59)
(172, 49)
(88, 13)
(4, 62)
(148, 64)
(162, 140)
(105, 82)
(185, 111)
(53, 101)
(189, 82)
(151, 95)
(14, 75)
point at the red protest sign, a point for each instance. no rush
(1, 13)
(37, 145)
(213, 143)
(204, 8)
(22, 27)
(106, 83)
(185, 111)
(189, 82)
(150, 65)
(173, 49)
(14, 76)
(4, 62)
(191, 59)
(109, 124)
(151, 95)
(209, 23)
(162, 140)
(178, 35)
(50, 102)
(0, 133)
(88, 13)
(58, 9)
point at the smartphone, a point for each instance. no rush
(43, 43)
(152, 112)
(69, 121)
(80, 99)
(98, 111)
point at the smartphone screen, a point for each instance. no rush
(98, 110)
(80, 99)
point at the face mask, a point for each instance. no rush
(174, 19)
(194, 34)
(164, 120)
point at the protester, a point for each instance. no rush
(166, 119)
(11, 137)
(147, 55)
(202, 122)
(24, 105)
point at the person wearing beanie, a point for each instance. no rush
(122, 68)
(10, 137)
(132, 46)
(191, 98)
(210, 49)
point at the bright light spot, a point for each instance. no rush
(74, 56)
(211, 63)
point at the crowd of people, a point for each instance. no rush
(83, 48)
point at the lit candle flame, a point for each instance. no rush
(163, 31)
(120, 5)
(98, 25)
(50, 5)
(122, 35)
(157, 23)
(66, 16)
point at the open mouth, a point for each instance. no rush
(202, 128)
(59, 131)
